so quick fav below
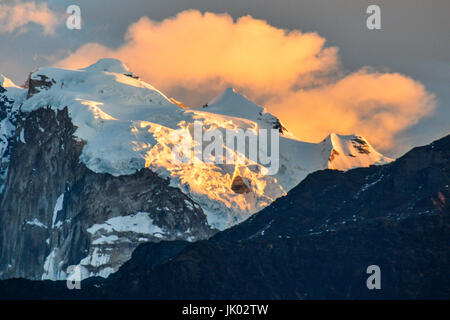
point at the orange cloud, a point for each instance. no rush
(375, 105)
(193, 49)
(193, 55)
(16, 16)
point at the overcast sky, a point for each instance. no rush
(414, 40)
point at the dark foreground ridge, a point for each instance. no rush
(315, 243)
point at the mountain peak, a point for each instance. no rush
(232, 103)
(229, 94)
(230, 90)
(350, 151)
(336, 138)
(108, 65)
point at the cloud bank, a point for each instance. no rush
(193, 56)
(17, 15)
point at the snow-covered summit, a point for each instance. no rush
(127, 125)
(351, 151)
(108, 65)
(233, 104)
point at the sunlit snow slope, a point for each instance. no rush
(127, 125)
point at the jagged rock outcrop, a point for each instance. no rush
(238, 185)
(36, 84)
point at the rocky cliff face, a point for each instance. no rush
(55, 212)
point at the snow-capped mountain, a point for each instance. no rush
(127, 125)
(90, 136)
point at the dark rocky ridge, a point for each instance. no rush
(45, 167)
(238, 185)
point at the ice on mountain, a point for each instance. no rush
(138, 223)
(58, 207)
(108, 65)
(36, 222)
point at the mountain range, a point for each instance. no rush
(87, 175)
(314, 243)
(88, 178)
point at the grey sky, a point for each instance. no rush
(414, 40)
